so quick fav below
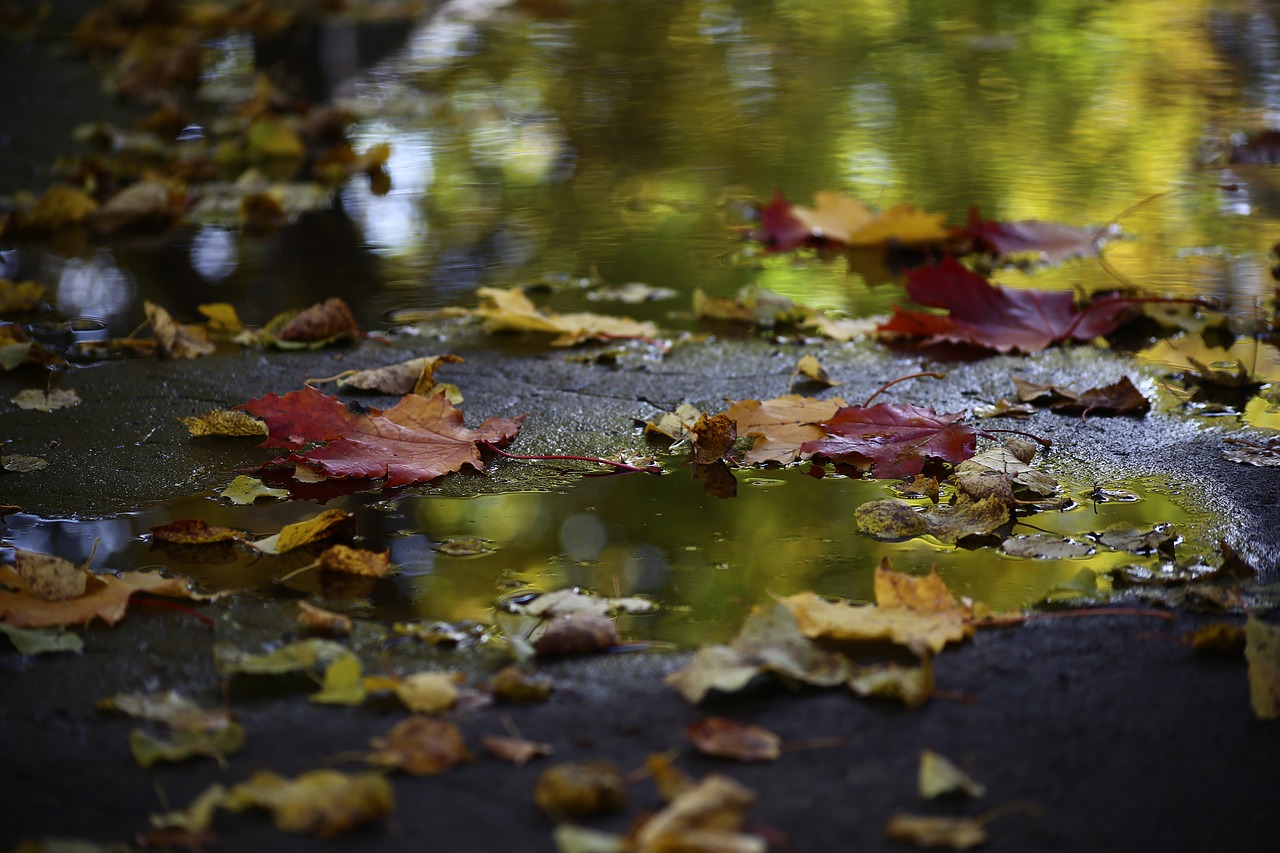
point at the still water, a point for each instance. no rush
(629, 141)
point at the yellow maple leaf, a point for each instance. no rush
(512, 311)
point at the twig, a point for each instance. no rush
(620, 466)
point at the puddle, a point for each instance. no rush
(704, 560)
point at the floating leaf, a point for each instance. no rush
(355, 561)
(577, 634)
(320, 325)
(895, 519)
(326, 525)
(195, 531)
(1046, 546)
(1051, 242)
(245, 490)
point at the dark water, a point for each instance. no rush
(580, 143)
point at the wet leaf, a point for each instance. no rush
(895, 519)
(580, 788)
(910, 685)
(415, 376)
(781, 425)
(956, 833)
(712, 436)
(177, 340)
(726, 738)
(1161, 538)
(571, 838)
(197, 817)
(919, 613)
(105, 597)
(245, 490)
(341, 681)
(463, 546)
(418, 440)
(889, 519)
(318, 326)
(224, 422)
(355, 561)
(707, 818)
(59, 208)
(676, 425)
(20, 464)
(512, 686)
(842, 329)
(29, 641)
(148, 205)
(1004, 471)
(1262, 454)
(939, 776)
(421, 692)
(1262, 651)
(322, 802)
(515, 750)
(149, 749)
(1046, 546)
(326, 525)
(222, 319)
(195, 531)
(49, 577)
(512, 311)
(1118, 398)
(319, 619)
(45, 401)
(420, 746)
(896, 439)
(998, 318)
(577, 634)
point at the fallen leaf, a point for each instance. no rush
(781, 425)
(29, 641)
(45, 401)
(1046, 546)
(515, 750)
(319, 619)
(420, 746)
(421, 692)
(726, 738)
(676, 425)
(224, 422)
(910, 685)
(512, 686)
(512, 311)
(177, 340)
(811, 370)
(957, 833)
(245, 490)
(20, 464)
(105, 597)
(1004, 471)
(939, 776)
(1125, 537)
(195, 531)
(322, 802)
(149, 205)
(580, 788)
(571, 838)
(896, 439)
(889, 519)
(149, 749)
(417, 440)
(222, 319)
(341, 682)
(1118, 398)
(998, 318)
(326, 525)
(577, 634)
(894, 519)
(919, 613)
(355, 561)
(707, 818)
(60, 207)
(631, 293)
(712, 437)
(1264, 454)
(197, 817)
(169, 707)
(463, 546)
(314, 327)
(49, 577)
(1262, 651)
(415, 376)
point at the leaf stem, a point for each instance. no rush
(620, 466)
(886, 386)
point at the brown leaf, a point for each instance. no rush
(516, 750)
(355, 561)
(782, 425)
(580, 788)
(420, 746)
(178, 340)
(713, 437)
(325, 321)
(726, 738)
(319, 619)
(577, 634)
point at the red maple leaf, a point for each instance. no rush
(998, 318)
(1052, 241)
(417, 440)
(897, 438)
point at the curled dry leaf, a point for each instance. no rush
(726, 738)
(580, 788)
(415, 376)
(420, 746)
(177, 340)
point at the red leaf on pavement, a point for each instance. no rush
(998, 318)
(897, 438)
(418, 439)
(1052, 241)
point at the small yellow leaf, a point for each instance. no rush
(939, 776)
(225, 422)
